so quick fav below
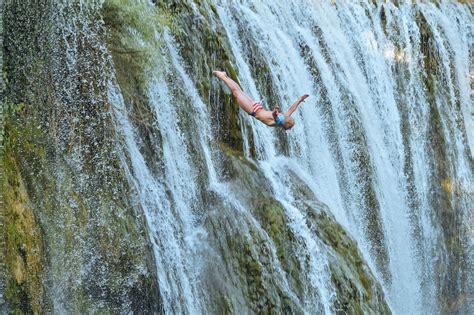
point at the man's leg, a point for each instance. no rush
(243, 99)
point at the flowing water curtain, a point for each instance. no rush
(362, 58)
(163, 176)
(171, 237)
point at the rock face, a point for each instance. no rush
(250, 256)
(74, 240)
(133, 184)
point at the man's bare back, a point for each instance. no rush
(269, 118)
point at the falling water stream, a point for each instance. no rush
(363, 142)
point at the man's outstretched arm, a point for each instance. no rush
(295, 105)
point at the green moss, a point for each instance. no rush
(356, 288)
(24, 245)
(133, 38)
(64, 152)
(235, 169)
(273, 219)
(249, 259)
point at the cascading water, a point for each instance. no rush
(241, 218)
(352, 142)
(362, 140)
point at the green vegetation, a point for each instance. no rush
(134, 31)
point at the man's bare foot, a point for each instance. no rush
(219, 74)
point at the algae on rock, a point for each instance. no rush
(87, 249)
(24, 251)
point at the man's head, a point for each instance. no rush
(289, 123)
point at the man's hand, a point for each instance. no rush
(275, 112)
(302, 98)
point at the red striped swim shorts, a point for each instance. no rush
(256, 107)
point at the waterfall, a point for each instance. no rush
(183, 203)
(364, 142)
(364, 68)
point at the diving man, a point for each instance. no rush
(255, 109)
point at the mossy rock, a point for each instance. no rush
(93, 252)
(248, 268)
(24, 244)
(207, 50)
(357, 289)
(451, 269)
